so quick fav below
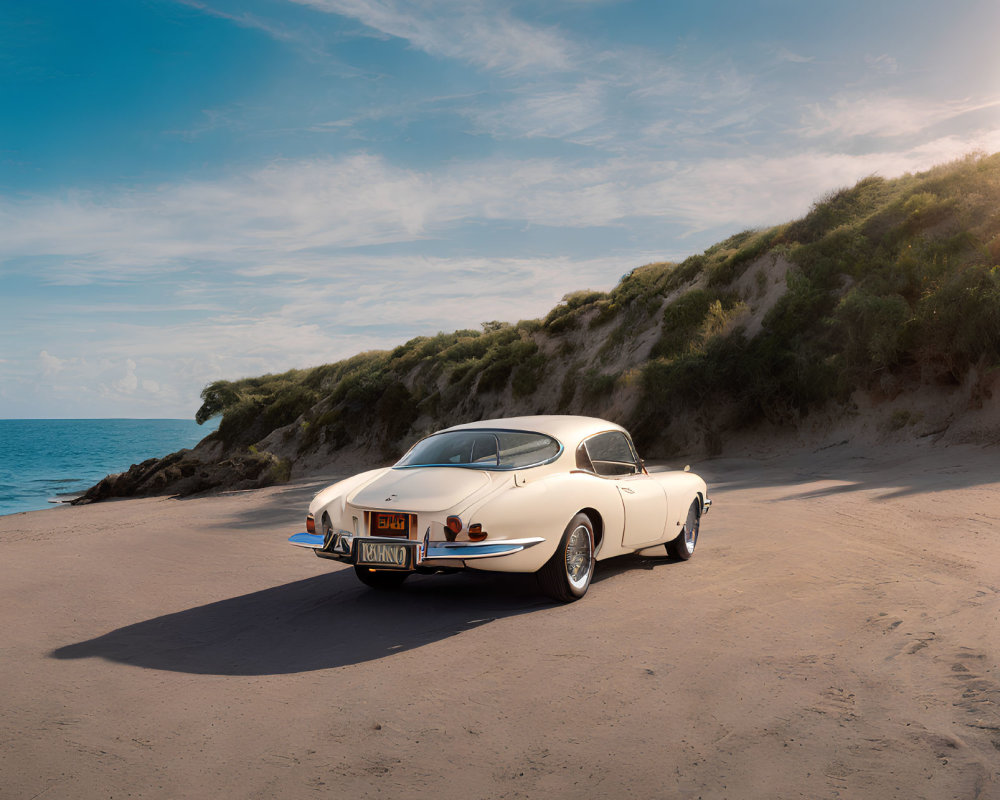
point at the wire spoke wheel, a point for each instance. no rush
(566, 576)
(579, 556)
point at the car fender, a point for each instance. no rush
(333, 497)
(682, 488)
(544, 507)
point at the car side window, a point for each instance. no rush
(611, 454)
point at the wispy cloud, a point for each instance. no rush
(308, 43)
(563, 112)
(784, 54)
(851, 115)
(290, 216)
(244, 19)
(477, 32)
(885, 64)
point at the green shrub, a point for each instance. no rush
(216, 398)
(684, 273)
(597, 385)
(682, 320)
(960, 320)
(567, 390)
(496, 366)
(239, 425)
(395, 411)
(841, 207)
(566, 315)
(750, 245)
(874, 329)
(281, 470)
(288, 404)
(527, 376)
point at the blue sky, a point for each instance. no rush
(194, 190)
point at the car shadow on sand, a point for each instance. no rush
(327, 621)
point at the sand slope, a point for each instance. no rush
(836, 635)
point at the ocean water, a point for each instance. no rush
(46, 460)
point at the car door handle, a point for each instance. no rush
(626, 489)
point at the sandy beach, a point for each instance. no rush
(837, 635)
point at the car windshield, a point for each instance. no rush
(482, 449)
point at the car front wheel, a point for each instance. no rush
(683, 546)
(566, 576)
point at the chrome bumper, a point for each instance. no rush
(341, 547)
(706, 506)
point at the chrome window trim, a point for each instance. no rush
(491, 468)
(631, 446)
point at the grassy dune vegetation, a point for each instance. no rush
(885, 287)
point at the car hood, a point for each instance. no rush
(422, 488)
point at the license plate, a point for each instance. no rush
(384, 554)
(383, 524)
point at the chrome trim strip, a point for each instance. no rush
(459, 551)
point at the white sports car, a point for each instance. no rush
(548, 494)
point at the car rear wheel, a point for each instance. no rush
(385, 579)
(566, 576)
(683, 546)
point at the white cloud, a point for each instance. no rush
(330, 309)
(128, 383)
(848, 115)
(475, 31)
(884, 64)
(784, 54)
(289, 216)
(50, 363)
(557, 113)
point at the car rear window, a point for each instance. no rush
(482, 449)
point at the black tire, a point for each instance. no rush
(682, 548)
(384, 579)
(566, 576)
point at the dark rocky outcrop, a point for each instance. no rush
(188, 472)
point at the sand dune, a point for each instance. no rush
(836, 635)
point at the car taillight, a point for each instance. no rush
(454, 524)
(476, 532)
(310, 524)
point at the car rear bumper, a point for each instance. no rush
(341, 546)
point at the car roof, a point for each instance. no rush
(565, 427)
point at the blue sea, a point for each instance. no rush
(48, 460)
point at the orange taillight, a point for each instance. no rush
(454, 524)
(310, 524)
(476, 532)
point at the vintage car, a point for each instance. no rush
(547, 494)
